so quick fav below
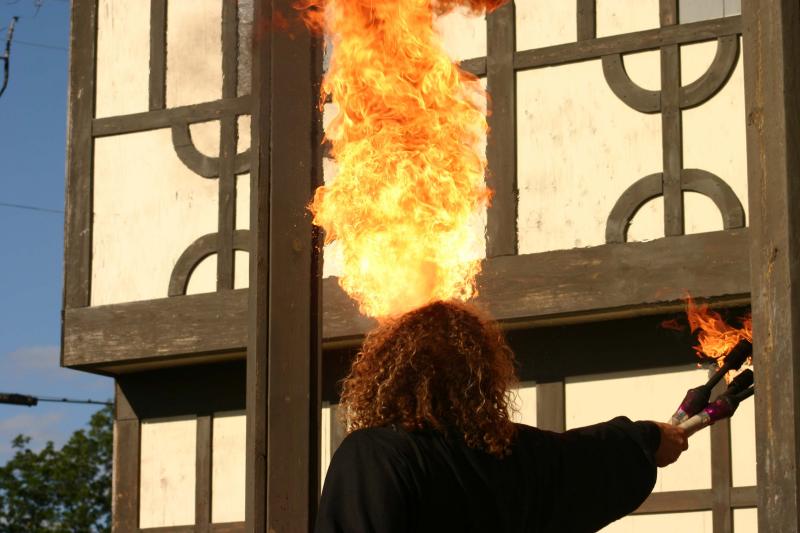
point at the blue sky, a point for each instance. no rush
(32, 148)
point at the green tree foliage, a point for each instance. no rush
(66, 490)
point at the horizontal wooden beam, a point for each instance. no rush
(694, 500)
(584, 284)
(559, 287)
(138, 332)
(164, 118)
(628, 42)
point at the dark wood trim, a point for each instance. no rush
(227, 151)
(199, 324)
(586, 284)
(158, 54)
(676, 502)
(227, 527)
(744, 497)
(695, 500)
(561, 54)
(80, 155)
(125, 490)
(721, 474)
(259, 293)
(772, 102)
(672, 140)
(557, 287)
(165, 118)
(294, 293)
(226, 228)
(501, 149)
(202, 491)
(551, 406)
(476, 66)
(587, 19)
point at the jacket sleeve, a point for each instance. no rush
(368, 488)
(601, 473)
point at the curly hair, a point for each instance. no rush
(443, 367)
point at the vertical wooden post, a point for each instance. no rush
(501, 148)
(284, 331)
(551, 405)
(772, 78)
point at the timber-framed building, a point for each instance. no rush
(639, 150)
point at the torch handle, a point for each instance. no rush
(696, 423)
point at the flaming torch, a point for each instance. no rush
(730, 347)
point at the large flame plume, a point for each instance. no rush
(407, 141)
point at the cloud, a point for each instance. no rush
(40, 366)
(34, 358)
(40, 427)
(35, 370)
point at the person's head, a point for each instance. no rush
(442, 366)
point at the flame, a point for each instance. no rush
(716, 338)
(407, 141)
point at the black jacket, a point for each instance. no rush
(386, 480)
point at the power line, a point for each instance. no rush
(41, 45)
(31, 208)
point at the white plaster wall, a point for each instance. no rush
(714, 136)
(579, 148)
(525, 399)
(545, 23)
(167, 472)
(745, 520)
(698, 522)
(123, 57)
(743, 445)
(625, 16)
(228, 467)
(148, 207)
(651, 395)
(194, 51)
(463, 34)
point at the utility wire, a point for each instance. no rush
(6, 57)
(41, 45)
(31, 208)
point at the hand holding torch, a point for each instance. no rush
(697, 399)
(723, 407)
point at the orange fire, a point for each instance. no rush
(716, 337)
(407, 141)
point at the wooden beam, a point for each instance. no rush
(125, 490)
(284, 332)
(259, 291)
(164, 118)
(565, 286)
(80, 155)
(561, 54)
(212, 323)
(589, 283)
(551, 406)
(676, 501)
(772, 99)
(501, 148)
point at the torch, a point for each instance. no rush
(740, 388)
(697, 399)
